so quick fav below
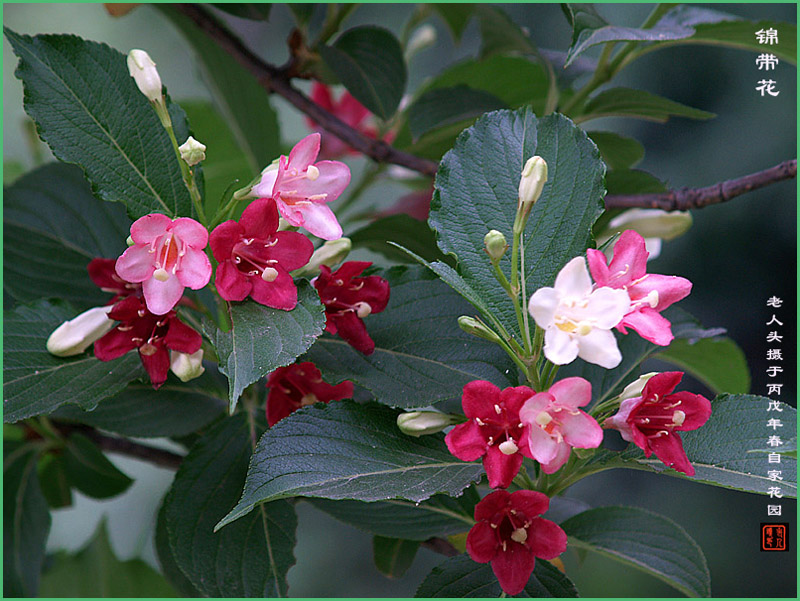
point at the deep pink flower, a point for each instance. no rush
(299, 385)
(167, 257)
(348, 299)
(494, 430)
(649, 293)
(255, 258)
(653, 420)
(348, 109)
(153, 335)
(556, 424)
(510, 534)
(104, 276)
(302, 188)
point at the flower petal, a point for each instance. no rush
(466, 442)
(543, 305)
(231, 283)
(224, 238)
(669, 449)
(660, 385)
(546, 539)
(191, 232)
(562, 456)
(292, 250)
(581, 430)
(559, 347)
(135, 264)
(501, 468)
(157, 366)
(260, 218)
(195, 270)
(304, 152)
(281, 293)
(113, 345)
(479, 398)
(530, 502)
(630, 259)
(608, 306)
(513, 568)
(320, 221)
(333, 178)
(670, 289)
(492, 504)
(572, 392)
(352, 329)
(161, 297)
(182, 338)
(482, 543)
(146, 229)
(696, 407)
(573, 279)
(543, 447)
(650, 325)
(599, 347)
(597, 266)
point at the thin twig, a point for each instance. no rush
(696, 198)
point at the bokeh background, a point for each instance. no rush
(737, 254)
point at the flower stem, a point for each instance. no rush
(188, 177)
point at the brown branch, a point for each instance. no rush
(697, 198)
(277, 80)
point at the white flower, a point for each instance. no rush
(76, 335)
(578, 321)
(532, 180)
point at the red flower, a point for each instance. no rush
(494, 430)
(348, 299)
(152, 334)
(299, 385)
(255, 258)
(348, 109)
(510, 534)
(105, 277)
(653, 420)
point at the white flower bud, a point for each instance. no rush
(495, 244)
(636, 387)
(129, 241)
(186, 367)
(653, 223)
(419, 423)
(532, 181)
(144, 73)
(192, 152)
(475, 327)
(76, 335)
(423, 37)
(329, 254)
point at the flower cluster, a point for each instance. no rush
(298, 385)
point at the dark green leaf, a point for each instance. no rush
(477, 187)
(96, 572)
(369, 62)
(627, 102)
(89, 470)
(12, 171)
(719, 363)
(633, 181)
(499, 34)
(411, 233)
(169, 568)
(358, 453)
(36, 382)
(460, 577)
(248, 559)
(617, 152)
(645, 540)
(446, 106)
(26, 522)
(456, 16)
(254, 12)
(393, 556)
(421, 355)
(54, 482)
(302, 12)
(53, 227)
(89, 110)
(263, 339)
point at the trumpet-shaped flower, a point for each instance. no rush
(578, 320)
(167, 257)
(298, 385)
(649, 293)
(255, 258)
(652, 421)
(104, 276)
(346, 108)
(556, 424)
(302, 188)
(510, 534)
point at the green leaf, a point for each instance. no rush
(438, 516)
(457, 17)
(96, 572)
(175, 409)
(445, 106)
(237, 94)
(89, 470)
(499, 34)
(358, 453)
(633, 181)
(254, 12)
(369, 62)
(590, 29)
(26, 521)
(393, 556)
(54, 482)
(617, 152)
(53, 227)
(421, 356)
(169, 567)
(88, 109)
(263, 339)
(248, 559)
(459, 577)
(302, 12)
(645, 540)
(402, 229)
(627, 102)
(36, 382)
(719, 363)
(476, 190)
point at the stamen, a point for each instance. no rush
(269, 274)
(520, 535)
(322, 196)
(508, 447)
(161, 274)
(312, 172)
(308, 399)
(362, 309)
(479, 421)
(497, 409)
(543, 418)
(678, 418)
(141, 312)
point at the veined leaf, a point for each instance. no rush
(617, 152)
(627, 102)
(90, 471)
(457, 16)
(445, 106)
(717, 362)
(393, 556)
(402, 229)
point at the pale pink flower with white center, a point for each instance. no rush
(167, 257)
(578, 320)
(302, 188)
(556, 424)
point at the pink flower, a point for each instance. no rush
(349, 299)
(103, 273)
(348, 109)
(167, 256)
(153, 335)
(649, 293)
(556, 424)
(653, 420)
(494, 430)
(255, 258)
(301, 188)
(299, 385)
(510, 534)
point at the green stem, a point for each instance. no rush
(188, 177)
(601, 75)
(526, 332)
(501, 277)
(333, 20)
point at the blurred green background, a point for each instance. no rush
(737, 254)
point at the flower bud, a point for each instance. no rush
(74, 336)
(653, 223)
(329, 254)
(129, 241)
(636, 387)
(419, 423)
(495, 244)
(534, 177)
(477, 328)
(192, 152)
(185, 366)
(144, 73)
